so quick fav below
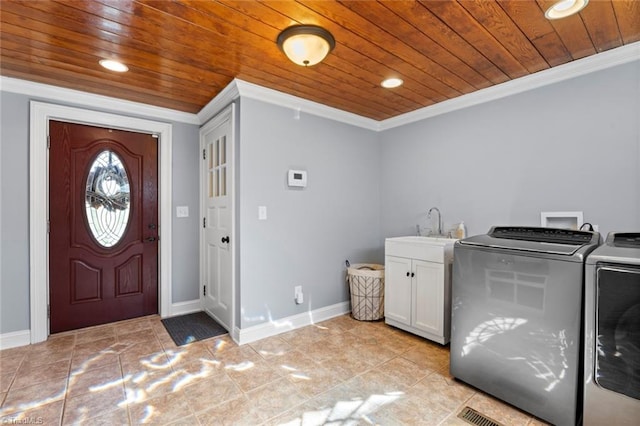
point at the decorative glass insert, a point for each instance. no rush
(217, 180)
(107, 199)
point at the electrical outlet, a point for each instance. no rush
(297, 295)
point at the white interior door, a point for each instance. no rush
(217, 239)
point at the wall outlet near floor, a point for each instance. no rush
(297, 295)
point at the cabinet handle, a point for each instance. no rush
(413, 275)
(407, 274)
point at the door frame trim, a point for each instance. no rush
(227, 114)
(40, 114)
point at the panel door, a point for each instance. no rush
(428, 295)
(103, 213)
(217, 222)
(397, 294)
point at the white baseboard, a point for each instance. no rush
(275, 327)
(15, 339)
(182, 308)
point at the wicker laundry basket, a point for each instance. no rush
(366, 284)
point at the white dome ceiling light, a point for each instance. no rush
(306, 45)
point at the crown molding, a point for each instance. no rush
(47, 92)
(590, 64)
(219, 102)
(253, 91)
(239, 88)
(244, 89)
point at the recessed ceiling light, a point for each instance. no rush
(564, 8)
(390, 83)
(112, 65)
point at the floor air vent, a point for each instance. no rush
(471, 416)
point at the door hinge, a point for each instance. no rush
(204, 290)
(48, 142)
(48, 227)
(204, 154)
(49, 311)
(204, 222)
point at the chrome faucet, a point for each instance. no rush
(439, 218)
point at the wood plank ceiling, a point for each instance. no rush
(181, 54)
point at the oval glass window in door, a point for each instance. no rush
(107, 199)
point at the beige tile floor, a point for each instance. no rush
(338, 372)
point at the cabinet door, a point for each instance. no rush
(397, 291)
(428, 295)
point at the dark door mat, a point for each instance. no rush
(190, 328)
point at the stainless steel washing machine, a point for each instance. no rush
(517, 315)
(612, 332)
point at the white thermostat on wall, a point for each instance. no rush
(298, 178)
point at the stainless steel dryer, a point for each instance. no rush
(517, 314)
(612, 332)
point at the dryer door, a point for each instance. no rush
(618, 329)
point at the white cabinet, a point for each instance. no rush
(428, 298)
(398, 289)
(418, 286)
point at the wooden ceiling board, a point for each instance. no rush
(343, 75)
(131, 50)
(628, 18)
(377, 59)
(531, 21)
(505, 32)
(438, 31)
(572, 32)
(61, 58)
(42, 73)
(394, 50)
(602, 26)
(369, 56)
(336, 83)
(474, 33)
(442, 64)
(67, 29)
(182, 53)
(457, 76)
(69, 51)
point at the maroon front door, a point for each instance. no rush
(103, 213)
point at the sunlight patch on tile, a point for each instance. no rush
(243, 366)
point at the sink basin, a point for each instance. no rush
(431, 249)
(433, 240)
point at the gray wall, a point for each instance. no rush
(14, 215)
(185, 273)
(309, 233)
(570, 146)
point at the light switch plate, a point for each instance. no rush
(182, 211)
(262, 212)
